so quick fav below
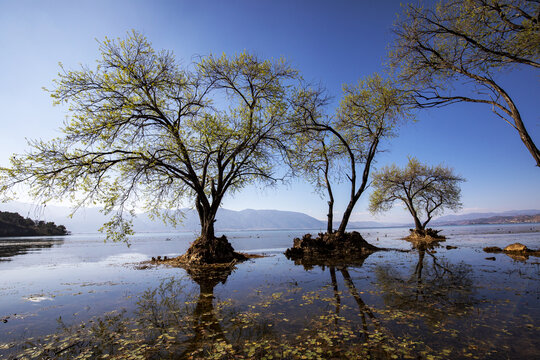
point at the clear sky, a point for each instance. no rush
(331, 42)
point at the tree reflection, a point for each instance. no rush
(367, 336)
(186, 325)
(436, 288)
(12, 247)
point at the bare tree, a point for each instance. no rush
(467, 43)
(424, 190)
(147, 134)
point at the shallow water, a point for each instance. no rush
(434, 304)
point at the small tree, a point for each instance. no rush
(467, 43)
(347, 143)
(425, 190)
(314, 157)
(147, 134)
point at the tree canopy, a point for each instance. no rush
(148, 134)
(424, 190)
(454, 52)
(343, 145)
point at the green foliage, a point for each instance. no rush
(424, 190)
(147, 134)
(328, 148)
(435, 45)
(13, 224)
(467, 43)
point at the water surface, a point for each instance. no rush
(78, 296)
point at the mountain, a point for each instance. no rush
(89, 220)
(506, 217)
(366, 224)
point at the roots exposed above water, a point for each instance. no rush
(425, 235)
(330, 249)
(211, 251)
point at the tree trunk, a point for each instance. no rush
(330, 225)
(207, 248)
(365, 177)
(329, 228)
(418, 223)
(524, 135)
(516, 116)
(345, 219)
(207, 228)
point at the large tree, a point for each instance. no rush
(146, 134)
(424, 190)
(344, 145)
(454, 51)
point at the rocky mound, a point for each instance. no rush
(428, 234)
(327, 247)
(516, 251)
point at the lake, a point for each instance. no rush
(78, 297)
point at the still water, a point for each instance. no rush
(76, 296)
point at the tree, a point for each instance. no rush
(367, 114)
(467, 43)
(425, 190)
(314, 155)
(314, 159)
(147, 134)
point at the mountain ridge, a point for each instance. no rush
(89, 220)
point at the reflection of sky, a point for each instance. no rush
(85, 277)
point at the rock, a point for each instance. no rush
(329, 247)
(491, 258)
(216, 250)
(493, 249)
(516, 247)
(450, 247)
(427, 234)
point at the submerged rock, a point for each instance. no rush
(516, 251)
(492, 249)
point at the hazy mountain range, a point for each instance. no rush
(89, 220)
(472, 216)
(506, 217)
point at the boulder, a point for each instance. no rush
(516, 247)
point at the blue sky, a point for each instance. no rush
(329, 42)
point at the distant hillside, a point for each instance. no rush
(518, 219)
(507, 217)
(89, 220)
(476, 216)
(13, 224)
